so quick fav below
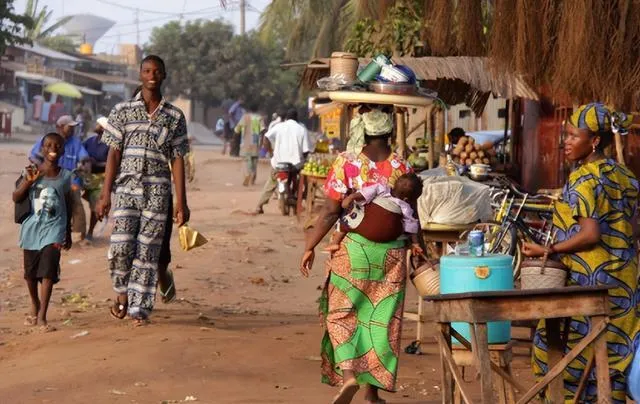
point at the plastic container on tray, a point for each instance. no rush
(464, 273)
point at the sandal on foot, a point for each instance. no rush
(118, 310)
(31, 320)
(346, 393)
(169, 295)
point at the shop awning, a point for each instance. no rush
(36, 77)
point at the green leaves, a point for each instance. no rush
(206, 62)
(12, 25)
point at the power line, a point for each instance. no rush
(145, 10)
(149, 29)
(156, 19)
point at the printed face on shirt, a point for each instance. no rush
(46, 202)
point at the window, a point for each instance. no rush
(464, 113)
(502, 113)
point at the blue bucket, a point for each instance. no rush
(464, 273)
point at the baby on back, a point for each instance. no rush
(381, 214)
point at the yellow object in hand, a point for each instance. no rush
(190, 238)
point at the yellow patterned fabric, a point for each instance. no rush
(373, 123)
(597, 117)
(608, 193)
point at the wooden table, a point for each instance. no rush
(553, 305)
(312, 184)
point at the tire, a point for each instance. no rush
(284, 206)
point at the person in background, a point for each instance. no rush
(84, 118)
(47, 229)
(289, 142)
(250, 127)
(219, 131)
(454, 136)
(236, 111)
(75, 159)
(98, 152)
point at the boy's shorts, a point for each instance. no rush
(42, 264)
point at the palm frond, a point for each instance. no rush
(54, 26)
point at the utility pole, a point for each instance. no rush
(137, 21)
(243, 7)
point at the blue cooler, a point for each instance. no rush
(464, 273)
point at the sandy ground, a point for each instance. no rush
(244, 329)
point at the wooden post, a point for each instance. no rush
(401, 132)
(555, 352)
(431, 142)
(447, 375)
(619, 148)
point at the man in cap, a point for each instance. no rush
(75, 156)
(98, 152)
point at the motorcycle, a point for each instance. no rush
(287, 179)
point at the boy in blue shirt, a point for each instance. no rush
(72, 156)
(48, 228)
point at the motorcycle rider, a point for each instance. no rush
(289, 143)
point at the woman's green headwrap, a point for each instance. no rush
(373, 123)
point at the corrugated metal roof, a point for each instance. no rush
(46, 52)
(105, 78)
(36, 77)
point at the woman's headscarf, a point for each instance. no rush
(597, 117)
(373, 123)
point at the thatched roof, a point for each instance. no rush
(456, 79)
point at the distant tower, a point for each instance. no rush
(86, 29)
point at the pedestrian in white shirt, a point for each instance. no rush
(289, 141)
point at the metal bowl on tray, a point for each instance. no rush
(393, 88)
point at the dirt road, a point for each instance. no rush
(244, 329)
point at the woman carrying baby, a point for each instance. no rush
(362, 299)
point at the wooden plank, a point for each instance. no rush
(522, 292)
(495, 367)
(555, 352)
(445, 353)
(596, 330)
(514, 307)
(482, 355)
(585, 377)
(602, 362)
(401, 133)
(447, 377)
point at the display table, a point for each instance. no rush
(479, 308)
(312, 184)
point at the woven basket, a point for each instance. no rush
(344, 63)
(542, 273)
(425, 278)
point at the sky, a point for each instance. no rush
(153, 13)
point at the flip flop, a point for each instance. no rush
(140, 322)
(346, 393)
(31, 320)
(118, 310)
(170, 294)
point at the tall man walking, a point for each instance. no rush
(144, 134)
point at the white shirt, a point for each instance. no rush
(290, 140)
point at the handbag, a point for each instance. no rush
(22, 209)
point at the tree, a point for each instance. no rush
(207, 63)
(40, 18)
(61, 43)
(193, 52)
(11, 25)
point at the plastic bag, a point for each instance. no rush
(454, 201)
(633, 381)
(190, 238)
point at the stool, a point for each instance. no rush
(501, 355)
